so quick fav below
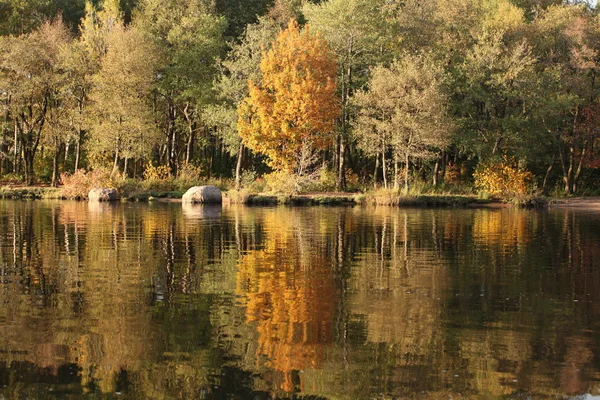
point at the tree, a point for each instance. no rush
(567, 42)
(355, 31)
(123, 125)
(295, 107)
(241, 65)
(240, 14)
(97, 25)
(31, 80)
(79, 69)
(22, 16)
(405, 111)
(190, 38)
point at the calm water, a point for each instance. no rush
(162, 301)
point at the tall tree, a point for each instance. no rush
(356, 31)
(190, 38)
(293, 111)
(31, 76)
(123, 125)
(404, 112)
(240, 13)
(566, 40)
(241, 65)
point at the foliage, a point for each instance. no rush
(404, 110)
(78, 184)
(281, 182)
(411, 92)
(122, 120)
(32, 83)
(159, 173)
(504, 179)
(293, 112)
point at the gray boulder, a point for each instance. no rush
(203, 194)
(103, 194)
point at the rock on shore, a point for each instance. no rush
(103, 194)
(203, 194)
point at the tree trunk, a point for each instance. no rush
(568, 179)
(116, 160)
(548, 171)
(376, 171)
(2, 151)
(28, 160)
(238, 167)
(191, 128)
(54, 182)
(385, 185)
(77, 151)
(407, 162)
(16, 150)
(125, 164)
(444, 163)
(172, 139)
(396, 183)
(436, 170)
(341, 178)
(67, 148)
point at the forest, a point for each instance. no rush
(481, 96)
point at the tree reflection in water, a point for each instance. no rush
(157, 301)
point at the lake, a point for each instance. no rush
(164, 301)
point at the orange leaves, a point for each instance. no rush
(295, 104)
(503, 179)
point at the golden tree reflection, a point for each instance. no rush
(288, 290)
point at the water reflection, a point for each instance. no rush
(287, 288)
(164, 301)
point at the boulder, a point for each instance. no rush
(203, 194)
(103, 194)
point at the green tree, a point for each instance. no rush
(22, 16)
(566, 40)
(190, 38)
(241, 65)
(404, 112)
(355, 31)
(121, 110)
(240, 13)
(31, 79)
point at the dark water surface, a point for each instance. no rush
(160, 301)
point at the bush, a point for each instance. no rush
(281, 182)
(237, 196)
(160, 173)
(250, 183)
(79, 184)
(188, 175)
(11, 179)
(504, 179)
(325, 180)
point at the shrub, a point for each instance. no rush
(189, 175)
(160, 173)
(237, 196)
(11, 178)
(281, 182)
(79, 184)
(503, 179)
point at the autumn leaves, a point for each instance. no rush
(294, 109)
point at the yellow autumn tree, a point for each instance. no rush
(292, 113)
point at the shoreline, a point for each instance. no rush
(312, 199)
(269, 199)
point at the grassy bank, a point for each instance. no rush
(389, 198)
(379, 198)
(31, 193)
